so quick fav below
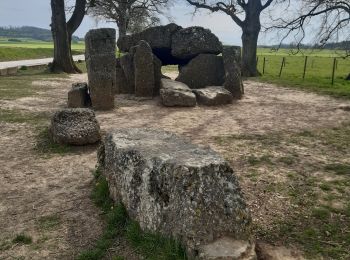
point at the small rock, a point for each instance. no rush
(79, 96)
(344, 107)
(227, 248)
(75, 126)
(213, 96)
(175, 93)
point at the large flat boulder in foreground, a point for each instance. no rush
(176, 94)
(175, 188)
(75, 126)
(213, 96)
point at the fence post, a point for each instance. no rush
(282, 65)
(333, 72)
(305, 64)
(264, 65)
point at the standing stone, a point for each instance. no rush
(121, 86)
(202, 71)
(127, 64)
(101, 66)
(233, 80)
(79, 96)
(144, 70)
(157, 74)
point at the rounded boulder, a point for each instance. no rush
(75, 126)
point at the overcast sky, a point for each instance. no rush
(37, 13)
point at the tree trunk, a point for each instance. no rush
(63, 60)
(250, 43)
(251, 29)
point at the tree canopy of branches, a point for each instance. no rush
(129, 15)
(324, 20)
(62, 32)
(246, 14)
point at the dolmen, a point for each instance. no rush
(180, 190)
(195, 50)
(201, 58)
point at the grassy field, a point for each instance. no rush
(30, 49)
(318, 76)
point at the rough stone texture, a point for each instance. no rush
(122, 86)
(127, 64)
(157, 64)
(213, 96)
(12, 71)
(175, 93)
(75, 126)
(202, 71)
(189, 42)
(229, 249)
(101, 67)
(79, 96)
(233, 80)
(3, 72)
(158, 37)
(144, 70)
(173, 187)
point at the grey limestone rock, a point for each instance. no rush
(175, 188)
(75, 126)
(174, 93)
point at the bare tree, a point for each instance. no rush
(62, 33)
(129, 15)
(246, 14)
(331, 18)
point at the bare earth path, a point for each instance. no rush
(47, 197)
(33, 62)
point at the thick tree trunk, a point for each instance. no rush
(121, 30)
(63, 60)
(251, 29)
(250, 43)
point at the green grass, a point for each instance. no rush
(49, 222)
(314, 190)
(27, 53)
(318, 73)
(22, 239)
(30, 43)
(46, 146)
(118, 224)
(31, 49)
(19, 116)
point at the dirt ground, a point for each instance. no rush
(48, 197)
